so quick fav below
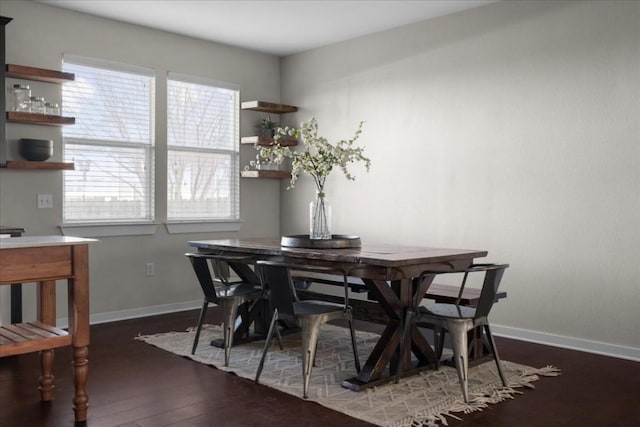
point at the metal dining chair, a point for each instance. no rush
(308, 314)
(459, 319)
(212, 272)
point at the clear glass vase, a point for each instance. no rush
(320, 218)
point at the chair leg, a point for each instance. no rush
(230, 310)
(494, 351)
(310, 332)
(203, 311)
(438, 342)
(279, 337)
(272, 327)
(354, 344)
(458, 333)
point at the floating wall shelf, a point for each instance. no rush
(15, 164)
(266, 174)
(39, 119)
(268, 107)
(38, 74)
(262, 140)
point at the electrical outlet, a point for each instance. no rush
(149, 269)
(45, 201)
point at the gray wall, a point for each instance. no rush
(514, 128)
(38, 36)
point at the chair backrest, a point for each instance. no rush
(204, 264)
(492, 277)
(275, 277)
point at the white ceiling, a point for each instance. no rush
(275, 27)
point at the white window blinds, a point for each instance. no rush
(203, 149)
(111, 143)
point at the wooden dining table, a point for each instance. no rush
(391, 274)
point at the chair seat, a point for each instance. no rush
(238, 290)
(314, 308)
(448, 311)
(237, 299)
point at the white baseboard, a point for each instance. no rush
(545, 338)
(579, 344)
(114, 316)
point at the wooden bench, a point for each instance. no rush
(449, 293)
(440, 293)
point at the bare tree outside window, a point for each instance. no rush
(111, 144)
(202, 165)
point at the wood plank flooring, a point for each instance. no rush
(133, 384)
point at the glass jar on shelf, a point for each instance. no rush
(37, 105)
(52, 109)
(20, 98)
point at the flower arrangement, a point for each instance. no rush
(318, 158)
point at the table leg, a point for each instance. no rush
(372, 370)
(80, 372)
(46, 380)
(395, 300)
(78, 296)
(46, 314)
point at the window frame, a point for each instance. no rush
(188, 224)
(124, 226)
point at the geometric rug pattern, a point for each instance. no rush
(425, 399)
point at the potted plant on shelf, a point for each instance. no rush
(317, 157)
(266, 127)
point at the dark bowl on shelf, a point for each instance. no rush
(35, 150)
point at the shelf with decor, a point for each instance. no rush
(23, 72)
(263, 140)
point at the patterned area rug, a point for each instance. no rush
(420, 400)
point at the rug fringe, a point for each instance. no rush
(480, 401)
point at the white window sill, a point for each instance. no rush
(177, 227)
(105, 230)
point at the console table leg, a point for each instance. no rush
(80, 372)
(46, 378)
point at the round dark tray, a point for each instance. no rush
(337, 241)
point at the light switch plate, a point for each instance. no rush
(45, 201)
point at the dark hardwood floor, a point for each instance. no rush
(135, 384)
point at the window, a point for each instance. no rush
(203, 177)
(111, 143)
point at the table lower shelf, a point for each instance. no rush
(21, 338)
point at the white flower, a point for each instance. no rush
(318, 156)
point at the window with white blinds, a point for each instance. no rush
(203, 177)
(111, 144)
